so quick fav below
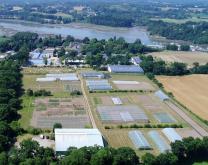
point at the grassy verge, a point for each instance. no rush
(26, 111)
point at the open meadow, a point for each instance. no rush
(192, 91)
(185, 57)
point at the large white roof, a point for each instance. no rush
(65, 138)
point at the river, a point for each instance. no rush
(78, 30)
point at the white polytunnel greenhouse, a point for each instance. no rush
(171, 134)
(139, 140)
(46, 79)
(94, 85)
(161, 95)
(99, 75)
(160, 142)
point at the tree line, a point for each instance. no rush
(10, 103)
(190, 31)
(160, 67)
(185, 152)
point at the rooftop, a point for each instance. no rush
(65, 138)
(125, 69)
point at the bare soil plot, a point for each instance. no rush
(188, 132)
(148, 102)
(185, 57)
(143, 82)
(192, 91)
(107, 100)
(70, 112)
(139, 86)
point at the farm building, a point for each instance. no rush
(93, 75)
(161, 95)
(65, 138)
(136, 60)
(171, 134)
(139, 140)
(160, 142)
(125, 69)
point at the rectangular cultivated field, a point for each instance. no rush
(133, 85)
(29, 81)
(192, 91)
(185, 57)
(188, 132)
(119, 114)
(70, 112)
(164, 117)
(131, 82)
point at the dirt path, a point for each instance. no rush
(87, 103)
(195, 126)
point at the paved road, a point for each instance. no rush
(180, 112)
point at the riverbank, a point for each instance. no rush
(78, 30)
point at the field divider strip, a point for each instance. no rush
(88, 105)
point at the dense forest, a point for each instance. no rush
(190, 31)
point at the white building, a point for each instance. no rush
(136, 60)
(65, 138)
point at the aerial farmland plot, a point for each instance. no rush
(116, 112)
(70, 112)
(61, 107)
(131, 82)
(192, 91)
(185, 57)
(53, 86)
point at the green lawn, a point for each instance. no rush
(26, 111)
(201, 163)
(3, 39)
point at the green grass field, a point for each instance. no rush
(3, 39)
(201, 163)
(181, 21)
(27, 111)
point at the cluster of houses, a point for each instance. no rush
(6, 54)
(44, 57)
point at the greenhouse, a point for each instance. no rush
(162, 96)
(160, 142)
(139, 140)
(171, 134)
